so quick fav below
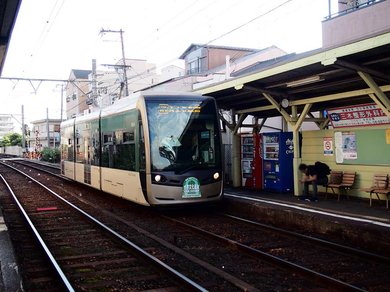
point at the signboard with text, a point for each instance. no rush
(328, 146)
(358, 116)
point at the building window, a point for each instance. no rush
(197, 66)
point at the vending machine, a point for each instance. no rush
(252, 161)
(246, 159)
(278, 161)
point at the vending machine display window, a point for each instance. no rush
(251, 161)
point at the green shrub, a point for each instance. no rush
(51, 155)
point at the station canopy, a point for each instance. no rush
(8, 13)
(351, 74)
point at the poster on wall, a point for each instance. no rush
(328, 146)
(363, 115)
(345, 146)
(388, 136)
(338, 141)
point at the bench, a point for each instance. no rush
(343, 181)
(380, 185)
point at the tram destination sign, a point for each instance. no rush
(362, 115)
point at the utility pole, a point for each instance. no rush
(47, 127)
(23, 132)
(102, 31)
(62, 100)
(94, 86)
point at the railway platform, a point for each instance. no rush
(354, 209)
(9, 274)
(351, 220)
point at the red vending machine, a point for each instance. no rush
(257, 165)
(251, 161)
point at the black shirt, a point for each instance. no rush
(311, 170)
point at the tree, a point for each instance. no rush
(11, 139)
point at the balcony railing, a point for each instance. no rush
(352, 6)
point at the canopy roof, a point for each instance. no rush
(325, 78)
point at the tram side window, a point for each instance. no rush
(79, 147)
(118, 149)
(71, 151)
(123, 155)
(108, 150)
(67, 144)
(95, 148)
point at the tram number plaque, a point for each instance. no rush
(191, 188)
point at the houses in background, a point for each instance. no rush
(44, 133)
(203, 65)
(7, 125)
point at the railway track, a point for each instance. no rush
(202, 251)
(85, 253)
(47, 168)
(339, 266)
(206, 262)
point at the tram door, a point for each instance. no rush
(87, 153)
(141, 156)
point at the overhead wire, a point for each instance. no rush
(233, 30)
(45, 32)
(179, 25)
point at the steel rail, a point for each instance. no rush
(326, 243)
(317, 276)
(226, 276)
(54, 263)
(232, 279)
(20, 162)
(39, 163)
(188, 283)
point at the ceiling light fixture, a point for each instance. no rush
(311, 79)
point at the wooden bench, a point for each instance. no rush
(343, 181)
(380, 185)
(335, 178)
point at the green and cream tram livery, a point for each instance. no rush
(152, 149)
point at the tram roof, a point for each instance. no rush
(326, 78)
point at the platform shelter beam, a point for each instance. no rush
(381, 96)
(277, 106)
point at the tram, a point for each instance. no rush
(149, 148)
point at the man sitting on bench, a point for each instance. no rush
(314, 175)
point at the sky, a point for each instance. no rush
(51, 37)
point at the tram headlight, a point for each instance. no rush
(157, 178)
(216, 175)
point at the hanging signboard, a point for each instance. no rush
(368, 114)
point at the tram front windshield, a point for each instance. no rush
(184, 135)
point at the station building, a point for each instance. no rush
(342, 89)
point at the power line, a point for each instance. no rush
(43, 79)
(226, 33)
(102, 31)
(248, 22)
